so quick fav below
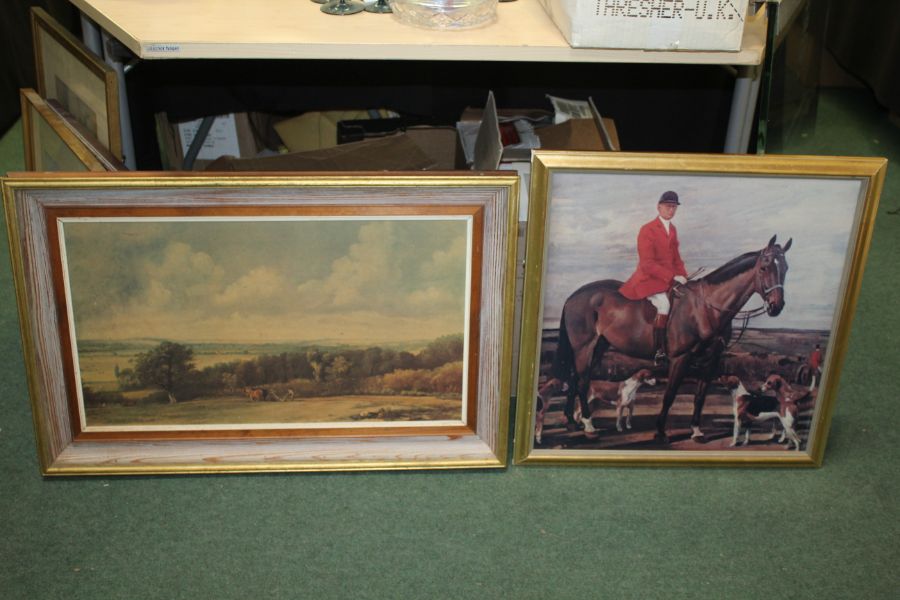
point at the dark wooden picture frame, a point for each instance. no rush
(55, 141)
(85, 86)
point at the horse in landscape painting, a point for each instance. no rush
(597, 317)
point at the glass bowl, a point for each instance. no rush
(445, 14)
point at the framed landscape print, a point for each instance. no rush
(688, 309)
(69, 73)
(212, 324)
(54, 141)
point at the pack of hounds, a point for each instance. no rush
(777, 400)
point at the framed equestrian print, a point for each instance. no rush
(178, 324)
(69, 73)
(688, 309)
(54, 141)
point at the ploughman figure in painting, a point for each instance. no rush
(682, 332)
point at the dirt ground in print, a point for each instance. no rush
(147, 384)
(236, 409)
(753, 358)
(717, 426)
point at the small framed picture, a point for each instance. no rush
(288, 323)
(70, 74)
(54, 141)
(688, 309)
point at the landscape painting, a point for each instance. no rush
(685, 313)
(293, 322)
(287, 322)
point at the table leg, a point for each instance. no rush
(743, 109)
(90, 34)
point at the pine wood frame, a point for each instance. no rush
(34, 202)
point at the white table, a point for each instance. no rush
(297, 29)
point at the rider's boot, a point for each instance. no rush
(659, 339)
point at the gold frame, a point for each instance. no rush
(83, 146)
(870, 172)
(30, 201)
(41, 21)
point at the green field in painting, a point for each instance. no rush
(97, 360)
(337, 392)
(98, 369)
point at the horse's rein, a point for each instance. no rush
(746, 315)
(743, 315)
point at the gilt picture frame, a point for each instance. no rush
(207, 324)
(85, 86)
(759, 273)
(55, 141)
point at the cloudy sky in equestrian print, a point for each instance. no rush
(594, 220)
(292, 279)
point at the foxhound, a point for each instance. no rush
(622, 395)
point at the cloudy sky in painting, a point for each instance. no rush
(594, 219)
(354, 281)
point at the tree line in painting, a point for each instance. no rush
(169, 370)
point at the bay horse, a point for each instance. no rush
(256, 394)
(597, 316)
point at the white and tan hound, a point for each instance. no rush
(789, 399)
(545, 393)
(748, 408)
(620, 394)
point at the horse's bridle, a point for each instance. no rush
(746, 315)
(778, 277)
(743, 315)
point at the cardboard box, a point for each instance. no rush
(231, 135)
(392, 153)
(440, 144)
(430, 148)
(650, 24)
(315, 130)
(487, 148)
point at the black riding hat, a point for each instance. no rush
(669, 197)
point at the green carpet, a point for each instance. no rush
(536, 532)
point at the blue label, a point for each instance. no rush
(163, 48)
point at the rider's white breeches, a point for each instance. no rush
(661, 302)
